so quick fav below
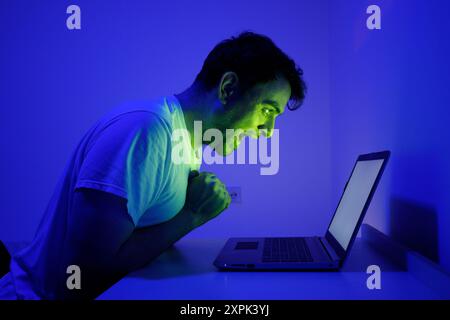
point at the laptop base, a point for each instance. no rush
(248, 254)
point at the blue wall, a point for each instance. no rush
(389, 90)
(368, 90)
(55, 83)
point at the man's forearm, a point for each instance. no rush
(145, 244)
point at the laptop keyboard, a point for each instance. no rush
(286, 250)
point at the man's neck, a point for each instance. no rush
(196, 106)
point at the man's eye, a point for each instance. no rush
(267, 111)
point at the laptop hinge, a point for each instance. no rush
(329, 249)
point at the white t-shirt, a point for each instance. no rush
(127, 153)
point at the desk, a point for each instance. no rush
(185, 271)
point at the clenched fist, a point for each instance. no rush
(206, 197)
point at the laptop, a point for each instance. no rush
(326, 252)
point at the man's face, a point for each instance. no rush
(252, 111)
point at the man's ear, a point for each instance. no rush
(228, 86)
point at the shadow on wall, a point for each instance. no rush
(415, 226)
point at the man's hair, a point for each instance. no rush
(255, 59)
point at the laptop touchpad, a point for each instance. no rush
(246, 245)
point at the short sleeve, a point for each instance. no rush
(127, 158)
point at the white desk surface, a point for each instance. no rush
(185, 272)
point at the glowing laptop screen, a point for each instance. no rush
(352, 203)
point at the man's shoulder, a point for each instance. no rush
(136, 120)
(153, 114)
(156, 108)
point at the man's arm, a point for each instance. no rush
(103, 241)
(145, 244)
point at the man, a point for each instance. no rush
(122, 200)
